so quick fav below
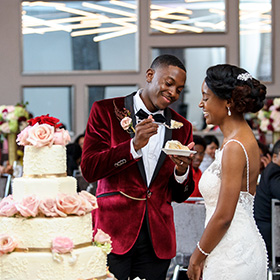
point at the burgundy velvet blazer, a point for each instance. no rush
(122, 193)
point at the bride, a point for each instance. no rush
(231, 246)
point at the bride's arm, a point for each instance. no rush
(232, 172)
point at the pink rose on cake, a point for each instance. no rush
(61, 137)
(90, 198)
(68, 204)
(103, 240)
(102, 237)
(41, 135)
(85, 207)
(43, 131)
(62, 245)
(8, 206)
(7, 244)
(29, 206)
(48, 207)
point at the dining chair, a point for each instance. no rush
(5, 184)
(274, 267)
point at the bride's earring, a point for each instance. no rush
(228, 111)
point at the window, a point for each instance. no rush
(55, 101)
(79, 35)
(178, 16)
(255, 38)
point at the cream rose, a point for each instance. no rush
(29, 206)
(102, 237)
(126, 123)
(41, 135)
(62, 245)
(7, 244)
(61, 137)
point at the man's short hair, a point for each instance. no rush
(276, 148)
(167, 60)
(198, 140)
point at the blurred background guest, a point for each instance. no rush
(212, 144)
(80, 140)
(74, 153)
(268, 188)
(199, 147)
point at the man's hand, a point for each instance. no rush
(143, 131)
(182, 162)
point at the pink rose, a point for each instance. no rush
(90, 198)
(7, 244)
(61, 137)
(102, 237)
(22, 137)
(62, 245)
(41, 135)
(126, 123)
(68, 204)
(29, 206)
(85, 207)
(8, 206)
(48, 208)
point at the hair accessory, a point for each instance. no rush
(228, 111)
(204, 253)
(244, 76)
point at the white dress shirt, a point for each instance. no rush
(151, 152)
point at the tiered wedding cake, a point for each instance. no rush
(45, 226)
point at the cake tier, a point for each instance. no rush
(43, 187)
(91, 262)
(44, 160)
(39, 232)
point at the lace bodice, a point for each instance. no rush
(234, 257)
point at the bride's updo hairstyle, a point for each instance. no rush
(231, 82)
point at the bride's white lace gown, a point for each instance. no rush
(241, 254)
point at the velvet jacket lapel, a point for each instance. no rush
(128, 103)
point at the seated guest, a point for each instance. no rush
(74, 154)
(80, 140)
(199, 147)
(212, 144)
(265, 157)
(268, 188)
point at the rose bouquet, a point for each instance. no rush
(13, 118)
(43, 131)
(269, 116)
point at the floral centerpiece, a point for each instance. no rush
(269, 118)
(13, 119)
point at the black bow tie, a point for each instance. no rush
(141, 114)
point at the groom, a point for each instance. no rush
(137, 181)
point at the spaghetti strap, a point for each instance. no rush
(247, 158)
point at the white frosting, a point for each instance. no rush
(39, 232)
(44, 160)
(91, 262)
(43, 187)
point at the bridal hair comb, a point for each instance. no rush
(244, 76)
